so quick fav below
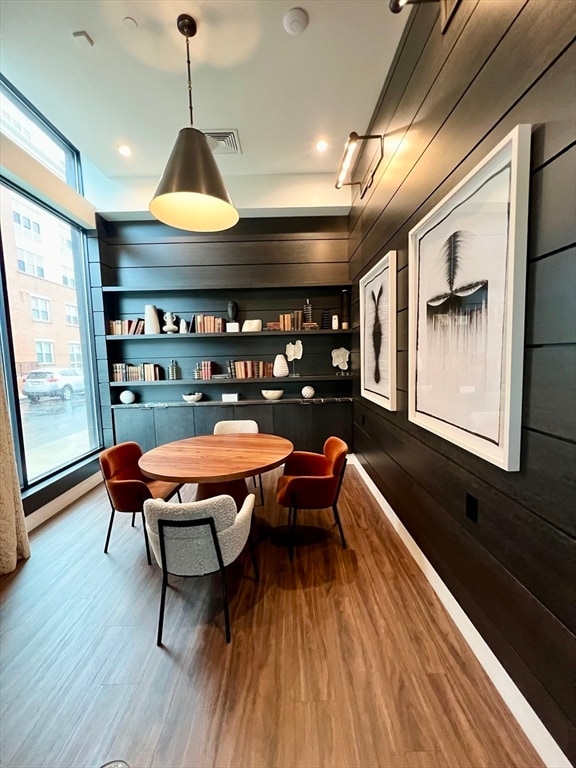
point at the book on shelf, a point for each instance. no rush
(250, 369)
(125, 327)
(209, 324)
(136, 372)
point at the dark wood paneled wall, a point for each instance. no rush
(449, 99)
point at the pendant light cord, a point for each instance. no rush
(189, 78)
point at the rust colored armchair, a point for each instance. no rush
(313, 481)
(128, 488)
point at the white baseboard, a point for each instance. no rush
(55, 506)
(528, 720)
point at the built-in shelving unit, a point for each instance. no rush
(154, 418)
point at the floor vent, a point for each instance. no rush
(224, 142)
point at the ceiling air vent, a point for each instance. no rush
(223, 142)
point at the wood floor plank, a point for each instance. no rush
(339, 659)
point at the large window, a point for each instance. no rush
(45, 323)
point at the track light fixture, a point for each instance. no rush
(191, 194)
(397, 5)
(346, 162)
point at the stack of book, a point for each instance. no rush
(136, 372)
(250, 369)
(125, 327)
(206, 367)
(209, 324)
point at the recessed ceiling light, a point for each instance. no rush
(322, 145)
(125, 150)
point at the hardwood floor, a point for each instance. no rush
(343, 658)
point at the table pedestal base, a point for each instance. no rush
(235, 488)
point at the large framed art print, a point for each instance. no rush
(467, 276)
(378, 333)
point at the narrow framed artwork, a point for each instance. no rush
(378, 333)
(467, 284)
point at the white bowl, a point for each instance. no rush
(192, 398)
(272, 394)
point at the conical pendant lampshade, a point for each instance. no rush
(191, 194)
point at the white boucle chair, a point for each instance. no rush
(248, 426)
(198, 537)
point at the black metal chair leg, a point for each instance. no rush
(162, 605)
(179, 497)
(226, 612)
(339, 524)
(146, 539)
(109, 530)
(133, 519)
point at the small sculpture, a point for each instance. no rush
(232, 310)
(170, 323)
(183, 328)
(340, 358)
(151, 321)
(307, 392)
(293, 353)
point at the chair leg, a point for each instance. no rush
(339, 524)
(133, 519)
(225, 599)
(253, 556)
(146, 539)
(109, 530)
(179, 497)
(162, 605)
(261, 490)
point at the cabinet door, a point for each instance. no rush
(308, 425)
(174, 423)
(135, 424)
(208, 415)
(261, 414)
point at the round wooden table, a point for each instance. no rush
(218, 463)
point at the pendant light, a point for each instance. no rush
(191, 194)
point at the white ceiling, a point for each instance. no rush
(281, 92)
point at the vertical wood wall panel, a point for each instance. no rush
(499, 64)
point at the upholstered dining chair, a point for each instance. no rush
(197, 538)
(248, 426)
(313, 481)
(128, 488)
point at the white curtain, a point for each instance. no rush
(14, 544)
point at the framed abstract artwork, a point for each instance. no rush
(467, 276)
(378, 333)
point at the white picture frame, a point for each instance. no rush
(467, 285)
(378, 333)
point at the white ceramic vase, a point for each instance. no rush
(280, 367)
(151, 319)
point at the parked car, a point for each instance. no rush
(53, 382)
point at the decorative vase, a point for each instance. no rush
(151, 320)
(170, 323)
(280, 367)
(307, 392)
(183, 326)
